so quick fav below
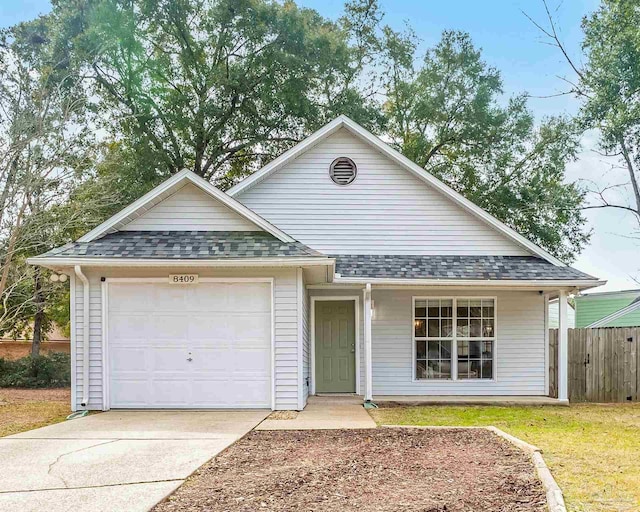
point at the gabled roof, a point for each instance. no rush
(167, 188)
(634, 306)
(357, 130)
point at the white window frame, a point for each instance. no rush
(454, 339)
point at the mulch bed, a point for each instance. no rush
(365, 471)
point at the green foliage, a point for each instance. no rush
(199, 84)
(52, 371)
(448, 116)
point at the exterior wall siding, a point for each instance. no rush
(306, 359)
(285, 327)
(190, 209)
(520, 346)
(386, 210)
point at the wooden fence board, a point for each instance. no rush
(604, 364)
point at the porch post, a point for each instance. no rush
(368, 386)
(563, 347)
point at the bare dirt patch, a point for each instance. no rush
(26, 409)
(283, 415)
(364, 470)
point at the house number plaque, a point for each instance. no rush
(183, 278)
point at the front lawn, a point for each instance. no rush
(593, 450)
(26, 409)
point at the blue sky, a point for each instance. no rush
(513, 45)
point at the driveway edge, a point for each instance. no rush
(555, 498)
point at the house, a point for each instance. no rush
(339, 267)
(608, 309)
(554, 314)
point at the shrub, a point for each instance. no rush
(52, 371)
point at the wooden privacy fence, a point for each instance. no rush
(604, 364)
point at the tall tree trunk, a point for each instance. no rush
(38, 319)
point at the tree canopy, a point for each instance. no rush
(150, 87)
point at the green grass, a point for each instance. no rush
(593, 450)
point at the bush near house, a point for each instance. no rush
(50, 371)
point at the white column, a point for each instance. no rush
(563, 347)
(368, 377)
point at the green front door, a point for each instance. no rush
(335, 346)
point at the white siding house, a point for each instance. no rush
(192, 297)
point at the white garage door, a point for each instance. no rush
(189, 346)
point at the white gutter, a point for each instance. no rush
(85, 335)
(131, 262)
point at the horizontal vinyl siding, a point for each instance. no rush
(285, 327)
(520, 346)
(190, 209)
(306, 360)
(592, 309)
(386, 210)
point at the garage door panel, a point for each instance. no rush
(165, 325)
(128, 359)
(254, 325)
(208, 326)
(171, 392)
(127, 326)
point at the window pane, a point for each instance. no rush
(421, 349)
(474, 369)
(463, 350)
(487, 350)
(463, 370)
(445, 369)
(462, 309)
(447, 328)
(487, 311)
(475, 330)
(420, 328)
(446, 309)
(421, 370)
(421, 309)
(434, 308)
(445, 350)
(475, 308)
(434, 328)
(487, 369)
(487, 328)
(433, 369)
(474, 349)
(463, 327)
(434, 350)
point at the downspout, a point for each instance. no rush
(85, 335)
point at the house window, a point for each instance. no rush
(454, 338)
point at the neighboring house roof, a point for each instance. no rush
(619, 315)
(344, 122)
(184, 245)
(454, 267)
(603, 309)
(167, 188)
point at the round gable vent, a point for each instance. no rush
(343, 170)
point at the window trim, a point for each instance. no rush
(454, 340)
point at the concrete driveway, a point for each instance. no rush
(117, 460)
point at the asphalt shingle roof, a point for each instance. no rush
(454, 267)
(187, 245)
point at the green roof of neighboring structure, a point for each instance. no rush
(610, 309)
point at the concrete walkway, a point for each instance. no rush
(324, 413)
(118, 460)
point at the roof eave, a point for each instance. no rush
(62, 262)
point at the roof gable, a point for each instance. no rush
(222, 210)
(407, 165)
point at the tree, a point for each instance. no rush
(608, 85)
(210, 84)
(44, 146)
(447, 116)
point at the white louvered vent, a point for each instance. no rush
(343, 170)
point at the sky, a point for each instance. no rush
(512, 44)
